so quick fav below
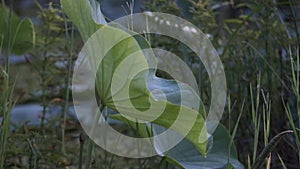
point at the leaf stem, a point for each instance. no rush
(91, 136)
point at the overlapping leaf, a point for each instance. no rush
(81, 13)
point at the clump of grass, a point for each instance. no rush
(259, 162)
(295, 65)
(6, 97)
(256, 48)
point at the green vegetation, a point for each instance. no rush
(258, 46)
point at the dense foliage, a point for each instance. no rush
(258, 44)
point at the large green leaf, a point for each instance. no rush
(22, 33)
(87, 18)
(218, 157)
(112, 95)
(185, 153)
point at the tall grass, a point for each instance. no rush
(295, 65)
(7, 90)
(262, 83)
(258, 50)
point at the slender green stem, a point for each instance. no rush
(111, 161)
(44, 76)
(234, 131)
(89, 153)
(295, 87)
(255, 116)
(33, 161)
(160, 164)
(266, 118)
(68, 83)
(90, 142)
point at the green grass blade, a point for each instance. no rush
(258, 163)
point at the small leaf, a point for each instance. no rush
(234, 21)
(21, 32)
